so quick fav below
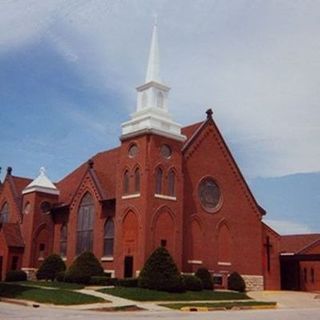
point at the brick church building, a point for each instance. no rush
(164, 185)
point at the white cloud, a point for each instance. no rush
(256, 63)
(288, 227)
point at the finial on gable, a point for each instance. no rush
(9, 171)
(90, 163)
(209, 114)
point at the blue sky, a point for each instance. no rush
(68, 72)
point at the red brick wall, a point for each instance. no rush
(207, 156)
(307, 282)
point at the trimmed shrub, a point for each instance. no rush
(103, 281)
(60, 277)
(236, 282)
(16, 275)
(161, 273)
(192, 283)
(128, 282)
(83, 268)
(204, 275)
(50, 268)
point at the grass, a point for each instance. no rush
(50, 284)
(54, 296)
(139, 294)
(227, 305)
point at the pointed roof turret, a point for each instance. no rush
(41, 184)
(153, 69)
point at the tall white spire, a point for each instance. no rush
(153, 69)
(152, 114)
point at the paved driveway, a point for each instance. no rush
(288, 299)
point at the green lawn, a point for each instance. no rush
(227, 305)
(54, 296)
(139, 294)
(55, 284)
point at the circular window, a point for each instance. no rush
(209, 194)
(45, 207)
(27, 208)
(133, 151)
(165, 151)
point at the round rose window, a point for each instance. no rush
(209, 194)
(133, 151)
(165, 151)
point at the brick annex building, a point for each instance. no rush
(163, 186)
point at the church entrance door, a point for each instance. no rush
(0, 268)
(128, 266)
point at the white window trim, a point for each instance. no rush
(195, 261)
(106, 259)
(131, 196)
(162, 196)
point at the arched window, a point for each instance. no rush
(63, 240)
(137, 180)
(108, 238)
(171, 183)
(160, 100)
(126, 182)
(4, 213)
(159, 174)
(85, 224)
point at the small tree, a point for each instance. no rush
(161, 273)
(236, 282)
(83, 268)
(192, 283)
(204, 275)
(50, 268)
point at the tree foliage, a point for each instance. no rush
(50, 268)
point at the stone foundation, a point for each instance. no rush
(253, 283)
(31, 273)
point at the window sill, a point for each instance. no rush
(64, 258)
(162, 196)
(103, 259)
(224, 263)
(194, 261)
(131, 196)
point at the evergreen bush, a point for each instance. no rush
(204, 275)
(192, 283)
(236, 282)
(83, 268)
(60, 277)
(161, 273)
(50, 268)
(15, 275)
(103, 281)
(128, 282)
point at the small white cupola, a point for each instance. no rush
(41, 184)
(152, 102)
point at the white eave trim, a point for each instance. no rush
(41, 189)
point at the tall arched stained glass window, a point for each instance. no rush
(85, 224)
(4, 213)
(137, 180)
(126, 182)
(108, 238)
(63, 240)
(171, 183)
(159, 174)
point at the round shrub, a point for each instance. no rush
(103, 281)
(50, 268)
(128, 282)
(204, 275)
(236, 282)
(60, 277)
(192, 283)
(16, 275)
(83, 268)
(161, 273)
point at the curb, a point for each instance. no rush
(235, 308)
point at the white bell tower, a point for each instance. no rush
(152, 102)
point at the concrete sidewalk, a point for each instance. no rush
(288, 299)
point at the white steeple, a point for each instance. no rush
(152, 102)
(41, 184)
(153, 69)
